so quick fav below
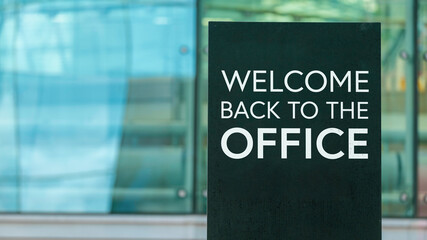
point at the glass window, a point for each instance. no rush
(96, 106)
(101, 112)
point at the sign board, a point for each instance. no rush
(294, 146)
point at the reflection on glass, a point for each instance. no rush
(96, 106)
(97, 100)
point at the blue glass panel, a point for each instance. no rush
(82, 85)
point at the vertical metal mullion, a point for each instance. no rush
(196, 121)
(411, 105)
(415, 90)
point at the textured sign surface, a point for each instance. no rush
(294, 131)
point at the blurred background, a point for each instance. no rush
(103, 112)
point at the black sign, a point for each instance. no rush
(294, 131)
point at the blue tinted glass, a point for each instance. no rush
(95, 100)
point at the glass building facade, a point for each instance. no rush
(103, 103)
